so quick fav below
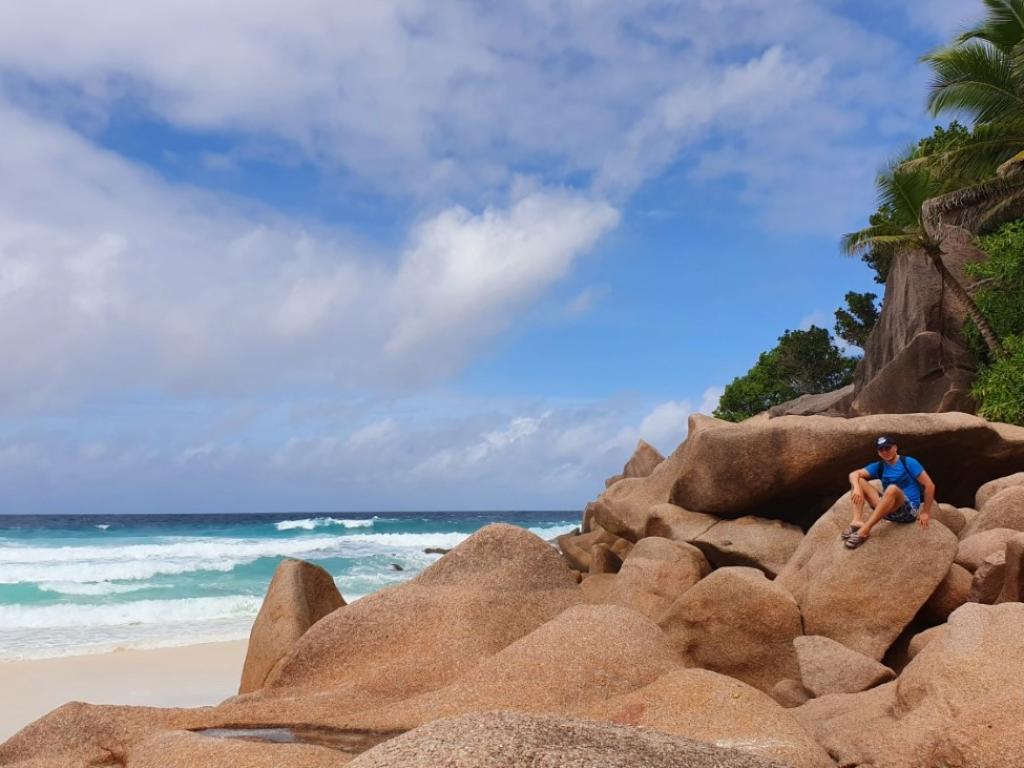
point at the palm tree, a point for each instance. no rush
(982, 71)
(902, 193)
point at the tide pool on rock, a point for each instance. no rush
(80, 584)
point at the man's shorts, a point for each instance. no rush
(905, 514)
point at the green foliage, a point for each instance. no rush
(1000, 281)
(855, 323)
(999, 389)
(804, 362)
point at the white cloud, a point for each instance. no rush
(584, 301)
(665, 426)
(451, 101)
(115, 281)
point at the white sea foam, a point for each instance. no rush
(127, 562)
(187, 611)
(95, 588)
(551, 531)
(309, 524)
(102, 526)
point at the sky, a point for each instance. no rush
(406, 255)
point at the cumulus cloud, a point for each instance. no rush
(128, 283)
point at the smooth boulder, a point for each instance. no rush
(738, 623)
(515, 740)
(864, 598)
(955, 704)
(992, 487)
(299, 595)
(719, 710)
(828, 667)
(973, 550)
(953, 591)
(645, 459)
(786, 466)
(671, 522)
(1003, 510)
(750, 541)
(1013, 583)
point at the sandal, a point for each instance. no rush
(856, 540)
(850, 531)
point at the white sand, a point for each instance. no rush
(190, 676)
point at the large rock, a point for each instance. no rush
(992, 487)
(644, 460)
(786, 467)
(588, 653)
(1003, 510)
(865, 597)
(719, 710)
(671, 522)
(953, 705)
(738, 623)
(750, 541)
(604, 560)
(950, 516)
(299, 595)
(828, 667)
(656, 572)
(515, 740)
(952, 592)
(975, 548)
(494, 588)
(988, 579)
(578, 549)
(1013, 585)
(835, 403)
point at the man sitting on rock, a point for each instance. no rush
(903, 481)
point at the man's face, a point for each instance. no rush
(887, 452)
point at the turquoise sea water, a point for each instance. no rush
(86, 584)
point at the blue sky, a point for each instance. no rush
(328, 256)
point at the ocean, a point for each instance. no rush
(81, 584)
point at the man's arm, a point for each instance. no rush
(855, 492)
(929, 498)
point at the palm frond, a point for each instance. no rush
(1002, 27)
(904, 190)
(977, 79)
(978, 157)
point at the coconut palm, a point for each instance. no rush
(982, 71)
(902, 193)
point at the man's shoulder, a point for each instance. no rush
(914, 464)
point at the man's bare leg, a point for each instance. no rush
(891, 500)
(870, 496)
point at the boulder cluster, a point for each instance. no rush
(706, 614)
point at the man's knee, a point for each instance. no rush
(893, 492)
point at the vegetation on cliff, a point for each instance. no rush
(979, 74)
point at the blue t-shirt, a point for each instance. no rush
(895, 474)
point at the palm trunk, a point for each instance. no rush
(995, 348)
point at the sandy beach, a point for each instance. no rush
(188, 676)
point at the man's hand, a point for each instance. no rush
(924, 519)
(857, 495)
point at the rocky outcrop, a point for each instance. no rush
(786, 467)
(1013, 585)
(864, 598)
(828, 667)
(672, 522)
(717, 709)
(494, 588)
(991, 488)
(975, 548)
(643, 462)
(654, 574)
(1003, 510)
(578, 549)
(952, 592)
(951, 706)
(988, 579)
(513, 740)
(299, 595)
(183, 749)
(750, 541)
(835, 403)
(738, 623)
